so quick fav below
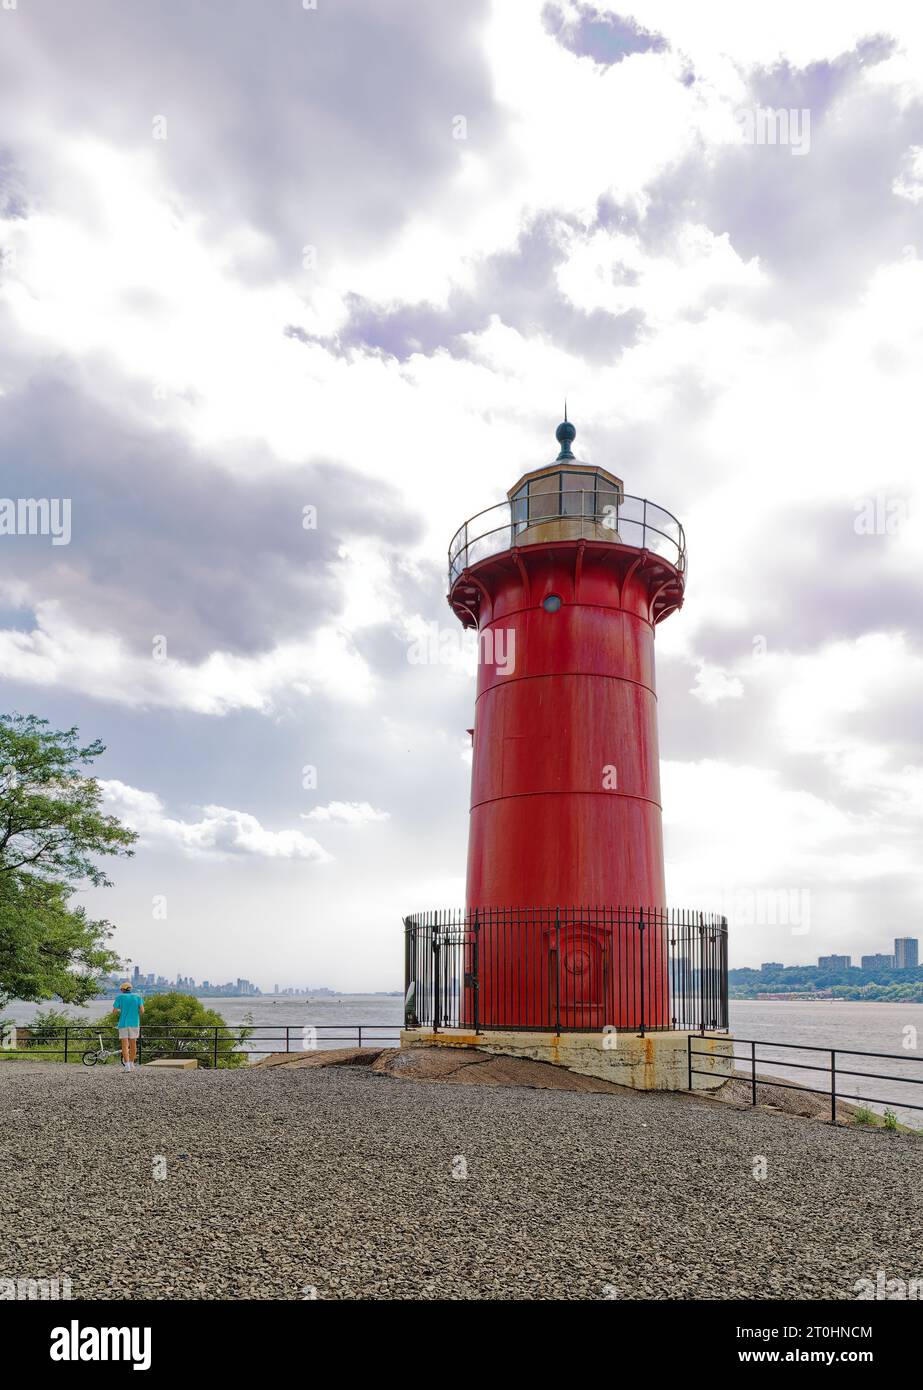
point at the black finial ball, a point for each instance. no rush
(565, 433)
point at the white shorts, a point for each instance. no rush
(129, 1032)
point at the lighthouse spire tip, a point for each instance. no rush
(565, 434)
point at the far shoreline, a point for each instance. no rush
(795, 999)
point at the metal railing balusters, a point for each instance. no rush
(641, 966)
(833, 1069)
(567, 968)
(500, 521)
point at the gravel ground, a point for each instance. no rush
(285, 1179)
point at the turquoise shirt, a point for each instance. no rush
(128, 1007)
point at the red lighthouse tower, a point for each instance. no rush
(566, 949)
(566, 583)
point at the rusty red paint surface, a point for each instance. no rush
(565, 789)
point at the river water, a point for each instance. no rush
(868, 1027)
(896, 1029)
(336, 1018)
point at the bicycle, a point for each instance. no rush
(99, 1054)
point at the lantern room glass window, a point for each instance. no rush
(564, 494)
(577, 491)
(518, 504)
(607, 506)
(545, 497)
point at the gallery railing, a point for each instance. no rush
(566, 969)
(609, 515)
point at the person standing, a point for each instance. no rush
(129, 1007)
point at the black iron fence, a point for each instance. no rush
(566, 969)
(211, 1046)
(833, 1069)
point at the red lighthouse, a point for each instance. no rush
(566, 583)
(566, 950)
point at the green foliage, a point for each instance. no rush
(49, 808)
(47, 948)
(882, 985)
(45, 1034)
(191, 1033)
(890, 1120)
(863, 1116)
(45, 1028)
(51, 832)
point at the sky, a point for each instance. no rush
(288, 291)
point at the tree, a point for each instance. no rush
(52, 830)
(47, 948)
(188, 1030)
(50, 817)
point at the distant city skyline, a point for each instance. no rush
(240, 987)
(906, 956)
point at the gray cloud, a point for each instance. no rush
(12, 190)
(605, 37)
(819, 581)
(820, 222)
(266, 107)
(166, 539)
(518, 286)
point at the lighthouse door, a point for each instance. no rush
(579, 975)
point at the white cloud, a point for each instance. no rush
(712, 685)
(826, 701)
(220, 831)
(610, 270)
(57, 653)
(909, 182)
(353, 813)
(735, 832)
(734, 828)
(774, 837)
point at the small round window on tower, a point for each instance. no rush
(552, 603)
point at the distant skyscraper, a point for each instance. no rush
(834, 962)
(880, 962)
(772, 965)
(906, 952)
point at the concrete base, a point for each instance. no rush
(656, 1062)
(175, 1063)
